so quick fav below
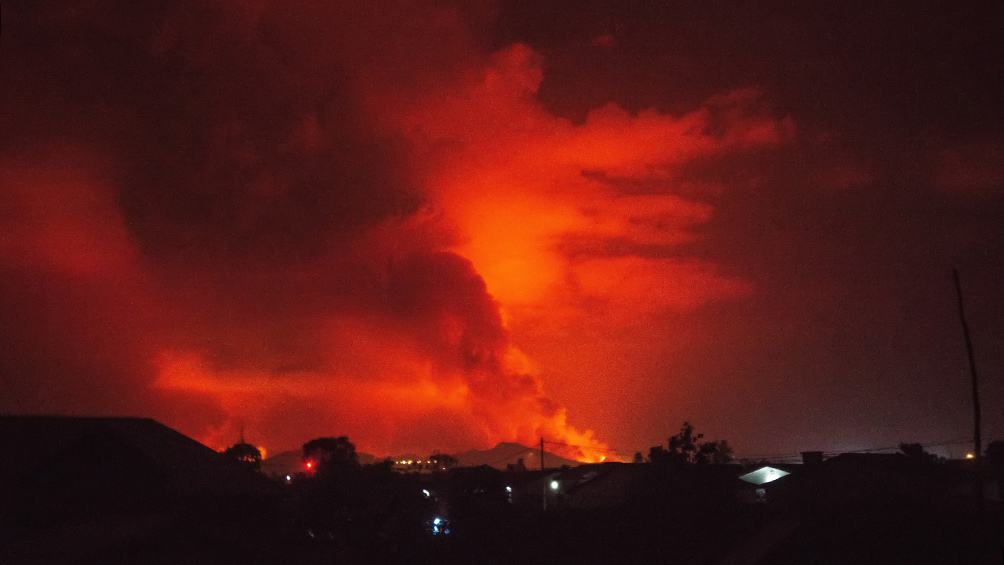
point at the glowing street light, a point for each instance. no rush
(554, 485)
(970, 456)
(439, 526)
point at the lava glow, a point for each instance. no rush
(512, 207)
(390, 315)
(434, 227)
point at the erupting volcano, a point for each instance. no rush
(449, 229)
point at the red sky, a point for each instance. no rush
(440, 227)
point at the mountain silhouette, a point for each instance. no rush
(506, 453)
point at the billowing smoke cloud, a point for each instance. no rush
(312, 220)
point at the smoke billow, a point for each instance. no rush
(203, 222)
(315, 219)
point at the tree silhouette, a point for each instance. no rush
(916, 452)
(638, 458)
(327, 452)
(683, 447)
(716, 452)
(995, 453)
(686, 448)
(245, 454)
(518, 467)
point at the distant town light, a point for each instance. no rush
(508, 489)
(288, 478)
(310, 464)
(554, 485)
(426, 493)
(970, 456)
(437, 521)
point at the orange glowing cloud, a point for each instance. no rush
(537, 204)
(64, 217)
(579, 228)
(531, 194)
(314, 238)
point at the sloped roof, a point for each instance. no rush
(29, 442)
(591, 485)
(765, 474)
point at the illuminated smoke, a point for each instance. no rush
(257, 215)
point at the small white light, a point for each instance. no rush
(426, 493)
(554, 485)
(437, 521)
(508, 489)
(288, 478)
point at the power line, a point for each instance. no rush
(781, 456)
(784, 456)
(619, 454)
(509, 456)
(593, 447)
(931, 444)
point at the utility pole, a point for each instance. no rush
(977, 440)
(543, 479)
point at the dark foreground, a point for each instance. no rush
(95, 496)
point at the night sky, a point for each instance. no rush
(440, 226)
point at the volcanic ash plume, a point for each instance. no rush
(258, 214)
